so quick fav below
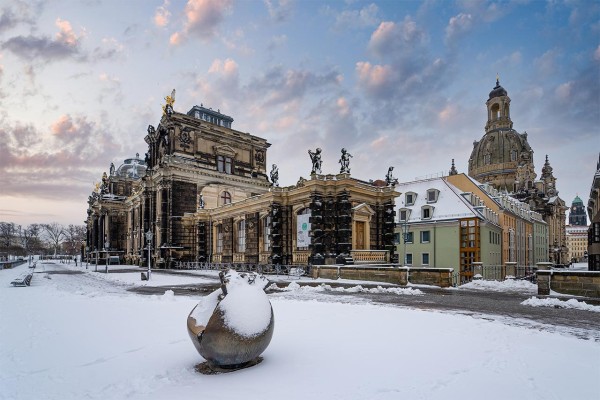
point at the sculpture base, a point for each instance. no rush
(206, 369)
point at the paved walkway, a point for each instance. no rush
(503, 306)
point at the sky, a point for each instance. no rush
(397, 83)
(99, 341)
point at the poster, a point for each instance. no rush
(303, 228)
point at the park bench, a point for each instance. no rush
(24, 280)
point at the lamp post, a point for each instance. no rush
(149, 236)
(106, 244)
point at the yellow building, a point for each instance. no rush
(577, 243)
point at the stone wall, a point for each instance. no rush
(441, 277)
(576, 283)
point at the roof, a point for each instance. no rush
(449, 204)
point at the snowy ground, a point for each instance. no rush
(83, 336)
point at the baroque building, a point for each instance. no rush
(202, 193)
(503, 158)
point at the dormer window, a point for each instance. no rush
(427, 212)
(432, 195)
(410, 198)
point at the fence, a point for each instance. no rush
(503, 272)
(273, 269)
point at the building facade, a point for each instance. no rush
(202, 194)
(503, 158)
(440, 226)
(577, 243)
(522, 229)
(593, 209)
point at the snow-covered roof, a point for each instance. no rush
(449, 204)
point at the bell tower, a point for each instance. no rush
(498, 107)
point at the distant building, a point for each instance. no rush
(577, 215)
(504, 159)
(593, 209)
(577, 243)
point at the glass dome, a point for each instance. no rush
(133, 168)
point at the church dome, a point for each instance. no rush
(498, 91)
(132, 168)
(497, 155)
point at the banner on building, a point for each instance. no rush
(303, 228)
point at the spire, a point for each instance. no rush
(453, 170)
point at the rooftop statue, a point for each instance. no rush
(233, 325)
(275, 175)
(389, 178)
(345, 162)
(316, 161)
(170, 100)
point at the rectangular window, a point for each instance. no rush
(425, 237)
(408, 259)
(267, 233)
(219, 239)
(396, 238)
(241, 242)
(409, 237)
(410, 199)
(426, 213)
(403, 215)
(224, 164)
(425, 258)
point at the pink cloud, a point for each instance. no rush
(162, 15)
(374, 78)
(202, 17)
(66, 35)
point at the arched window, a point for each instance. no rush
(225, 198)
(495, 112)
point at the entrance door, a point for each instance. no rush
(360, 235)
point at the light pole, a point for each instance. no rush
(106, 244)
(149, 236)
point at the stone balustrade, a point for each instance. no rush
(370, 256)
(441, 277)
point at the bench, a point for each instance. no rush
(24, 280)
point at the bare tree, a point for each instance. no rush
(30, 239)
(74, 235)
(55, 235)
(9, 238)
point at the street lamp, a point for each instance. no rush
(106, 244)
(149, 236)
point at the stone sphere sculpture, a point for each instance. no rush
(233, 325)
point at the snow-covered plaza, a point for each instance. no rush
(79, 334)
